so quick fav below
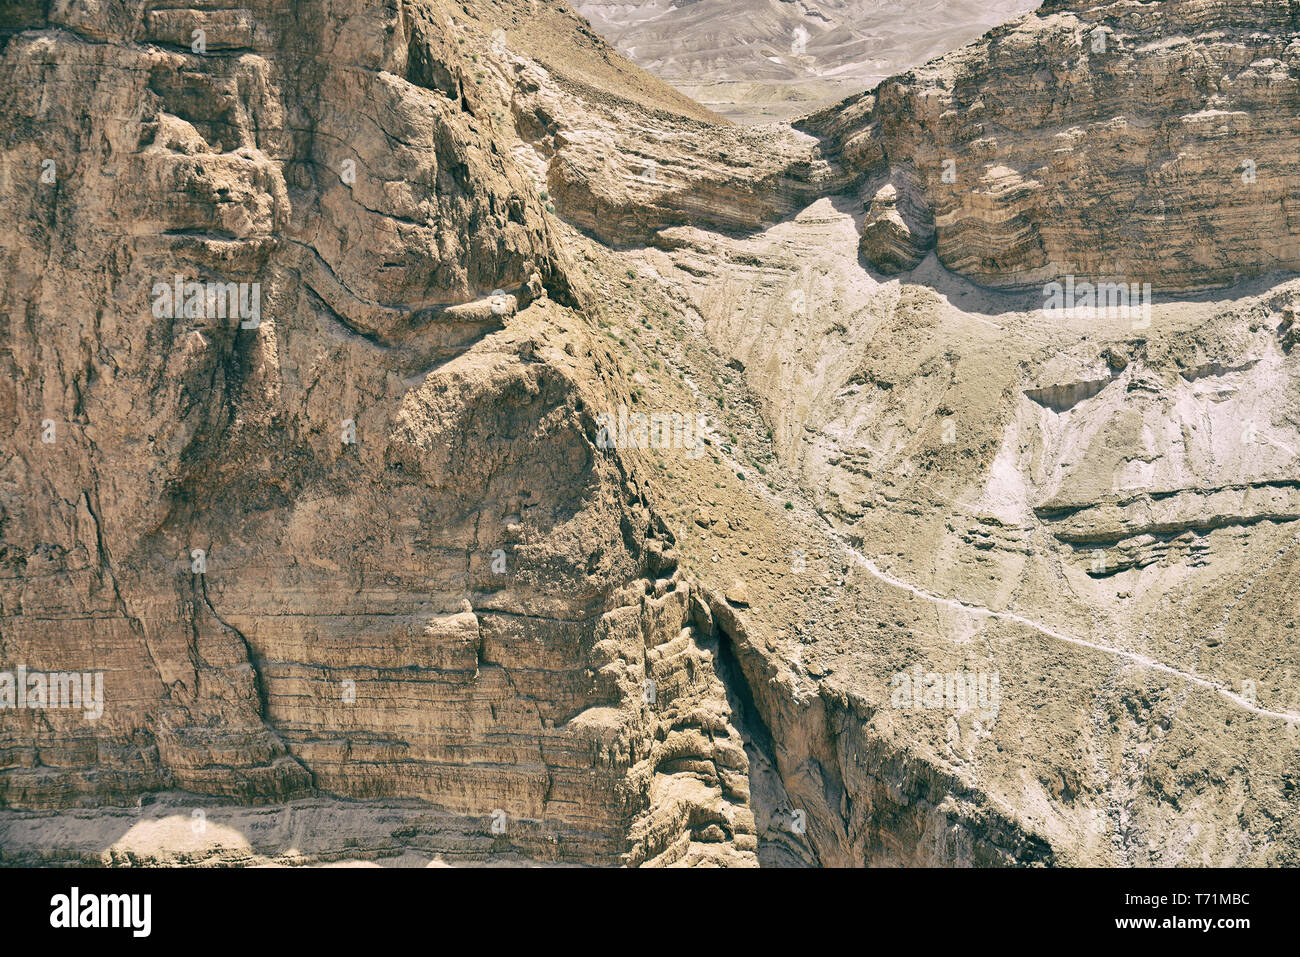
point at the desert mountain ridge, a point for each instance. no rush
(760, 61)
(445, 442)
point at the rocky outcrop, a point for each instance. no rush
(1117, 142)
(345, 532)
(1145, 141)
(449, 444)
(895, 235)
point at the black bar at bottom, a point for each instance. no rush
(336, 906)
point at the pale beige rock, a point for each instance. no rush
(765, 60)
(423, 581)
(472, 634)
(1102, 140)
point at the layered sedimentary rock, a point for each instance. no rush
(346, 531)
(1140, 143)
(943, 578)
(1149, 141)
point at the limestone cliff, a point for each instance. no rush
(367, 577)
(360, 543)
(1149, 141)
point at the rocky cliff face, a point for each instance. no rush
(1141, 141)
(349, 535)
(562, 484)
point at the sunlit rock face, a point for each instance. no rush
(949, 575)
(1144, 142)
(347, 532)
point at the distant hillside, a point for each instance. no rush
(762, 60)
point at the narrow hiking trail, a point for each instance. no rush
(1140, 660)
(974, 608)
